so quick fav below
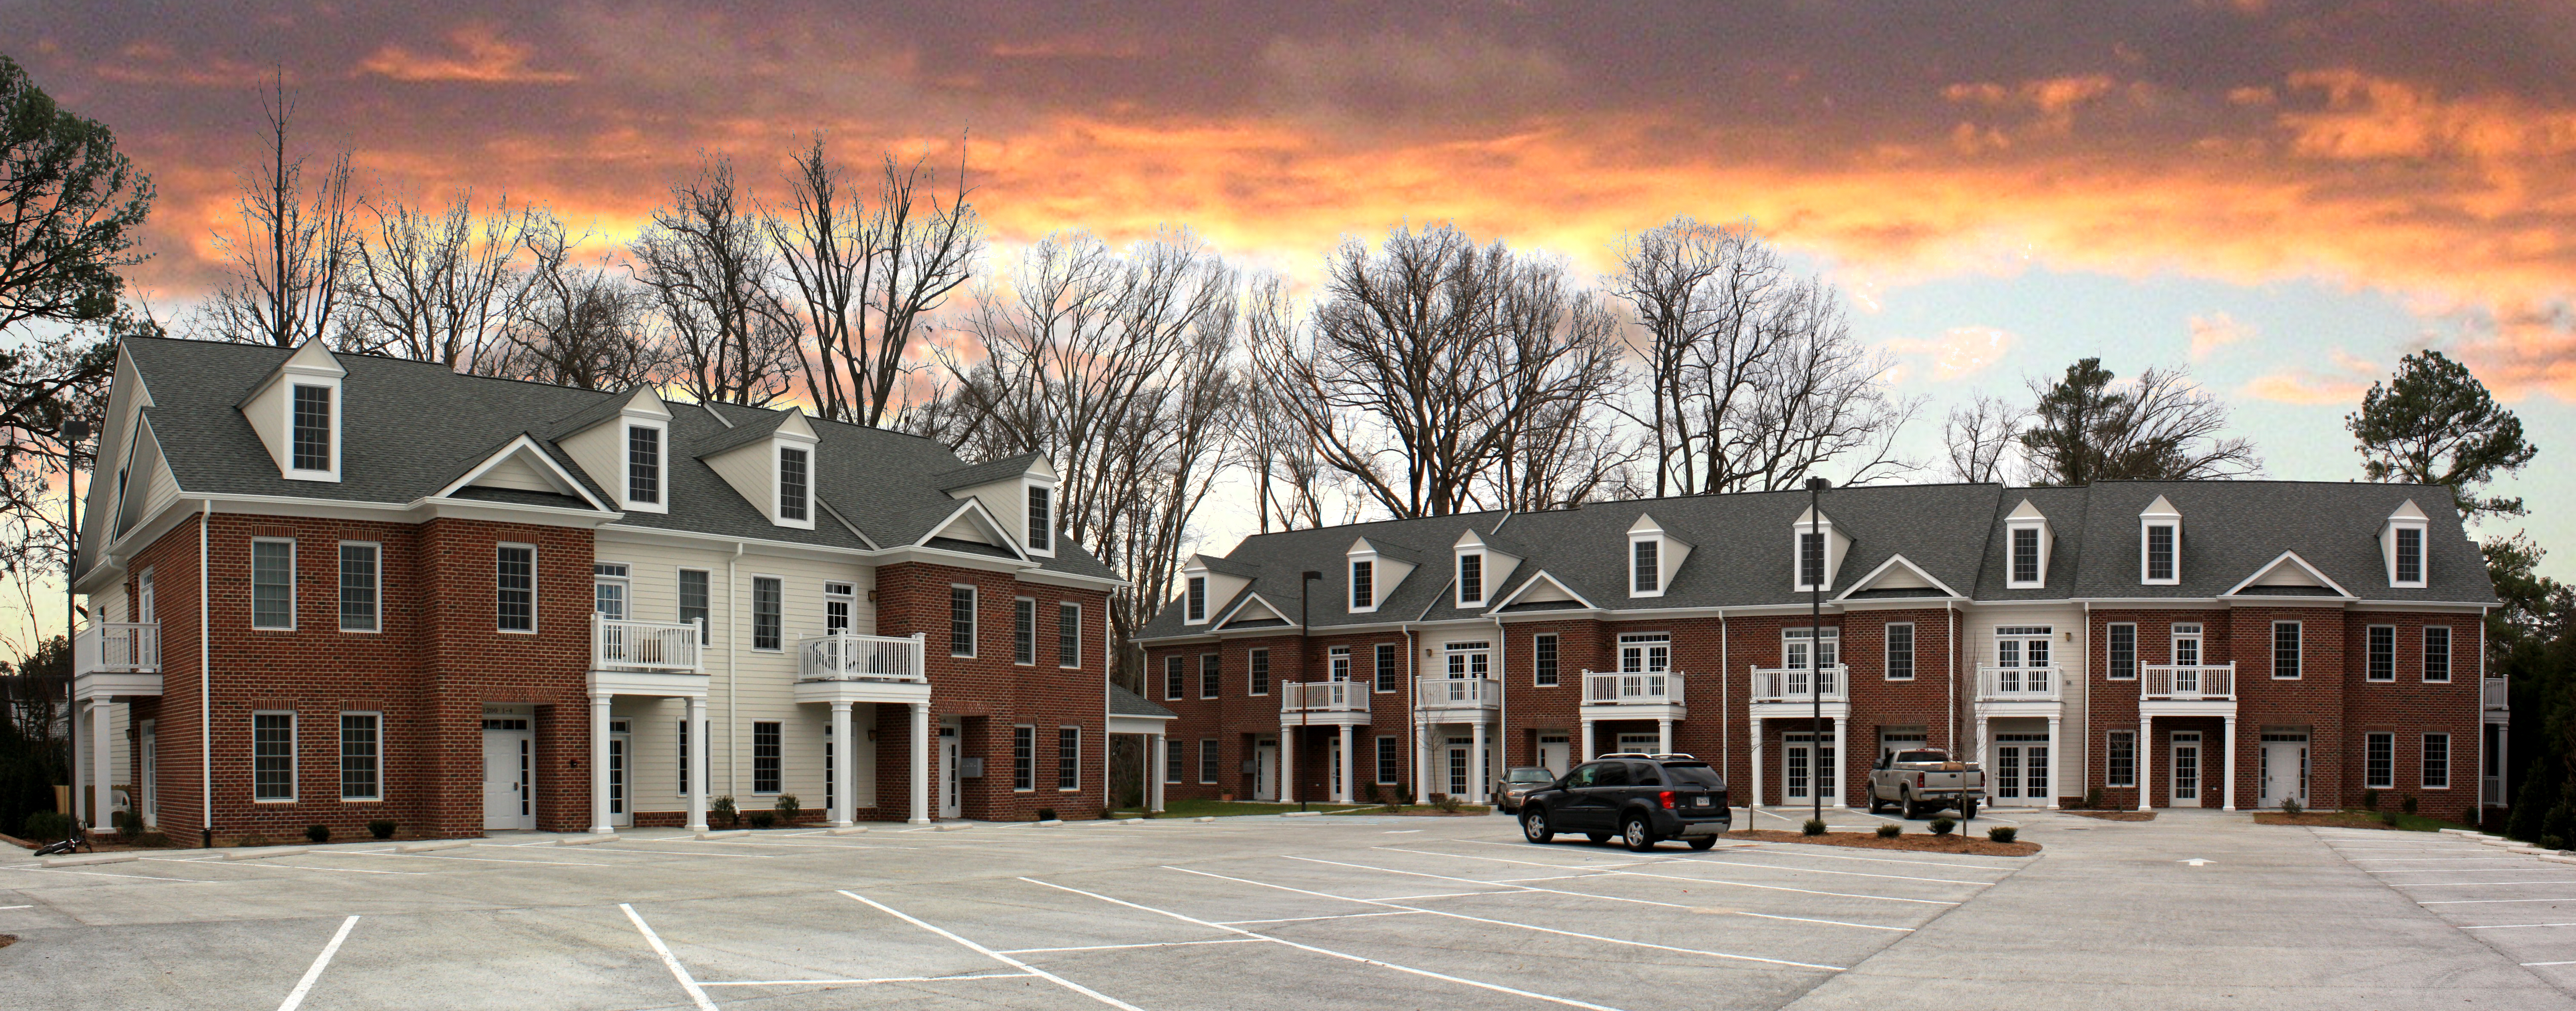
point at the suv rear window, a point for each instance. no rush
(1922, 756)
(1700, 776)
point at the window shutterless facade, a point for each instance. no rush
(1041, 519)
(515, 583)
(361, 592)
(1337, 663)
(2410, 555)
(2160, 553)
(961, 621)
(1363, 585)
(1543, 660)
(2379, 761)
(2437, 762)
(2120, 758)
(1024, 759)
(610, 589)
(1900, 651)
(362, 770)
(2122, 652)
(792, 487)
(1811, 559)
(1068, 758)
(2285, 649)
(1387, 760)
(1195, 607)
(1471, 578)
(272, 756)
(1645, 573)
(312, 441)
(1068, 635)
(2437, 653)
(840, 600)
(1209, 766)
(1176, 760)
(1258, 662)
(2382, 652)
(768, 613)
(1175, 670)
(693, 601)
(1384, 668)
(272, 584)
(1645, 651)
(764, 757)
(1024, 631)
(2025, 555)
(643, 464)
(1211, 675)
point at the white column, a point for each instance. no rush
(1842, 762)
(1422, 763)
(1476, 763)
(920, 764)
(599, 763)
(698, 764)
(1980, 744)
(1349, 747)
(1158, 759)
(2055, 746)
(2146, 747)
(844, 792)
(2228, 792)
(102, 811)
(1753, 796)
(1287, 764)
(80, 769)
(1587, 741)
(1663, 737)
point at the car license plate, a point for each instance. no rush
(1699, 802)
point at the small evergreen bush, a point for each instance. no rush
(48, 826)
(789, 808)
(381, 828)
(764, 819)
(2388, 818)
(1890, 830)
(2407, 804)
(723, 809)
(2370, 800)
(1814, 826)
(317, 833)
(2290, 807)
(1046, 814)
(1942, 826)
(2002, 833)
(129, 825)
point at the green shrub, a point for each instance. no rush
(764, 819)
(317, 833)
(2388, 818)
(2551, 842)
(1890, 830)
(1814, 826)
(129, 825)
(2002, 833)
(1942, 826)
(1447, 802)
(2407, 804)
(722, 810)
(381, 828)
(2370, 800)
(2290, 807)
(48, 826)
(788, 808)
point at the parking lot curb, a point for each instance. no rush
(1204, 819)
(424, 847)
(91, 861)
(1301, 814)
(950, 828)
(585, 840)
(853, 830)
(263, 854)
(1051, 823)
(1131, 821)
(728, 834)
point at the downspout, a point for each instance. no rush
(1725, 711)
(1413, 717)
(205, 701)
(1952, 612)
(733, 710)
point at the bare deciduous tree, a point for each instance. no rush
(710, 271)
(435, 286)
(1980, 439)
(296, 243)
(577, 325)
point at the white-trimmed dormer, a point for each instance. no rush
(1815, 548)
(1371, 575)
(1480, 568)
(628, 450)
(296, 412)
(773, 469)
(1654, 555)
(2160, 544)
(2027, 541)
(1021, 493)
(2403, 547)
(1205, 587)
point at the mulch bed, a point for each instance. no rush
(2332, 819)
(1919, 842)
(2116, 815)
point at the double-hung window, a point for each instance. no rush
(515, 579)
(1068, 758)
(1211, 675)
(2437, 761)
(361, 565)
(1024, 630)
(643, 464)
(768, 613)
(272, 584)
(764, 757)
(2285, 649)
(1041, 519)
(2379, 761)
(2382, 653)
(272, 756)
(2437, 653)
(312, 445)
(961, 621)
(1174, 669)
(1209, 766)
(2410, 555)
(693, 601)
(1811, 560)
(1387, 760)
(792, 485)
(2120, 758)
(362, 772)
(1471, 578)
(2025, 555)
(1176, 759)
(1363, 585)
(1068, 634)
(1194, 606)
(1543, 660)
(1383, 667)
(1024, 758)
(1645, 573)
(2123, 659)
(1900, 651)
(1259, 663)
(2160, 553)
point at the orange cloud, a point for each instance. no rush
(2209, 333)
(482, 57)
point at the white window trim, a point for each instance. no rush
(1032, 729)
(1194, 602)
(1207, 746)
(1061, 786)
(1053, 513)
(778, 483)
(2423, 551)
(293, 585)
(2391, 784)
(1660, 547)
(341, 766)
(706, 635)
(661, 481)
(1375, 590)
(2449, 762)
(974, 620)
(1377, 761)
(751, 623)
(1458, 576)
(1211, 689)
(535, 590)
(2145, 524)
(1061, 607)
(2012, 532)
(2134, 661)
(1338, 657)
(2365, 654)
(1887, 648)
(1176, 687)
(1032, 604)
(1560, 659)
(1643, 641)
(2450, 654)
(1262, 652)
(294, 756)
(1832, 558)
(2272, 649)
(2107, 737)
(754, 736)
(340, 584)
(329, 382)
(1378, 672)
(1172, 771)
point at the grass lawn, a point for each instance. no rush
(1206, 808)
(2355, 819)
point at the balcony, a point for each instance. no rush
(1781, 685)
(846, 667)
(618, 644)
(1323, 702)
(2020, 684)
(2494, 697)
(117, 658)
(1457, 700)
(2202, 683)
(1642, 695)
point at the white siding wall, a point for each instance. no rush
(596, 451)
(749, 469)
(1977, 631)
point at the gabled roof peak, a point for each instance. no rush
(2408, 511)
(2027, 511)
(2161, 508)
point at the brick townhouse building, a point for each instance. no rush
(327, 589)
(2149, 644)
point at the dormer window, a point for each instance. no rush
(2026, 545)
(794, 500)
(1364, 585)
(1645, 573)
(2401, 543)
(2160, 544)
(312, 448)
(643, 465)
(1471, 578)
(1041, 519)
(1811, 560)
(1194, 607)
(2025, 555)
(2410, 555)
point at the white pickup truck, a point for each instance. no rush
(1925, 779)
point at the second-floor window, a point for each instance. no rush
(1024, 630)
(312, 446)
(2383, 652)
(961, 621)
(2123, 643)
(1648, 652)
(515, 579)
(2285, 649)
(272, 584)
(1543, 660)
(360, 589)
(839, 600)
(1175, 671)
(609, 589)
(1385, 668)
(1811, 560)
(1068, 634)
(2186, 644)
(643, 464)
(693, 601)
(791, 485)
(1363, 585)
(2437, 653)
(1900, 651)
(1041, 518)
(768, 612)
(1259, 662)
(1471, 578)
(1338, 663)
(1211, 675)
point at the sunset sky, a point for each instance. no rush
(2285, 197)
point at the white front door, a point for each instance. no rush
(150, 777)
(1459, 750)
(2020, 771)
(2285, 769)
(1552, 753)
(1806, 764)
(1265, 770)
(2186, 769)
(621, 772)
(509, 774)
(948, 772)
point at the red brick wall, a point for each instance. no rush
(2409, 708)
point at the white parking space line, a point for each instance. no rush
(792, 845)
(2424, 860)
(1522, 926)
(864, 982)
(995, 955)
(1820, 870)
(2528, 964)
(669, 961)
(268, 866)
(1121, 947)
(479, 860)
(1753, 850)
(2489, 902)
(2473, 884)
(1785, 888)
(105, 874)
(1346, 956)
(1472, 881)
(2519, 926)
(295, 997)
(1284, 919)
(685, 853)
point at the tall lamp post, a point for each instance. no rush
(1304, 579)
(1816, 638)
(75, 432)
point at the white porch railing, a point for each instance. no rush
(117, 646)
(645, 645)
(1632, 688)
(843, 656)
(2213, 682)
(1799, 684)
(2019, 684)
(2494, 694)
(1324, 697)
(1457, 693)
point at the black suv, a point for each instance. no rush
(1643, 799)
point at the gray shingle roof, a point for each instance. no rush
(1126, 703)
(409, 428)
(1742, 546)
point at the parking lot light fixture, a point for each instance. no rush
(1816, 640)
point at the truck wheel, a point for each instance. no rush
(1968, 809)
(1636, 835)
(1534, 826)
(1874, 803)
(1912, 810)
(1702, 842)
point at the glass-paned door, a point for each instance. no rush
(2186, 767)
(2018, 648)
(1807, 763)
(2021, 768)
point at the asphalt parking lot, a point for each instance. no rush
(1356, 912)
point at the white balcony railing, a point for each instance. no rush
(117, 647)
(617, 644)
(2206, 682)
(2492, 692)
(2019, 684)
(1324, 697)
(1799, 684)
(842, 656)
(1457, 693)
(1632, 688)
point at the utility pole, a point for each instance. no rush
(75, 432)
(1304, 647)
(1816, 641)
